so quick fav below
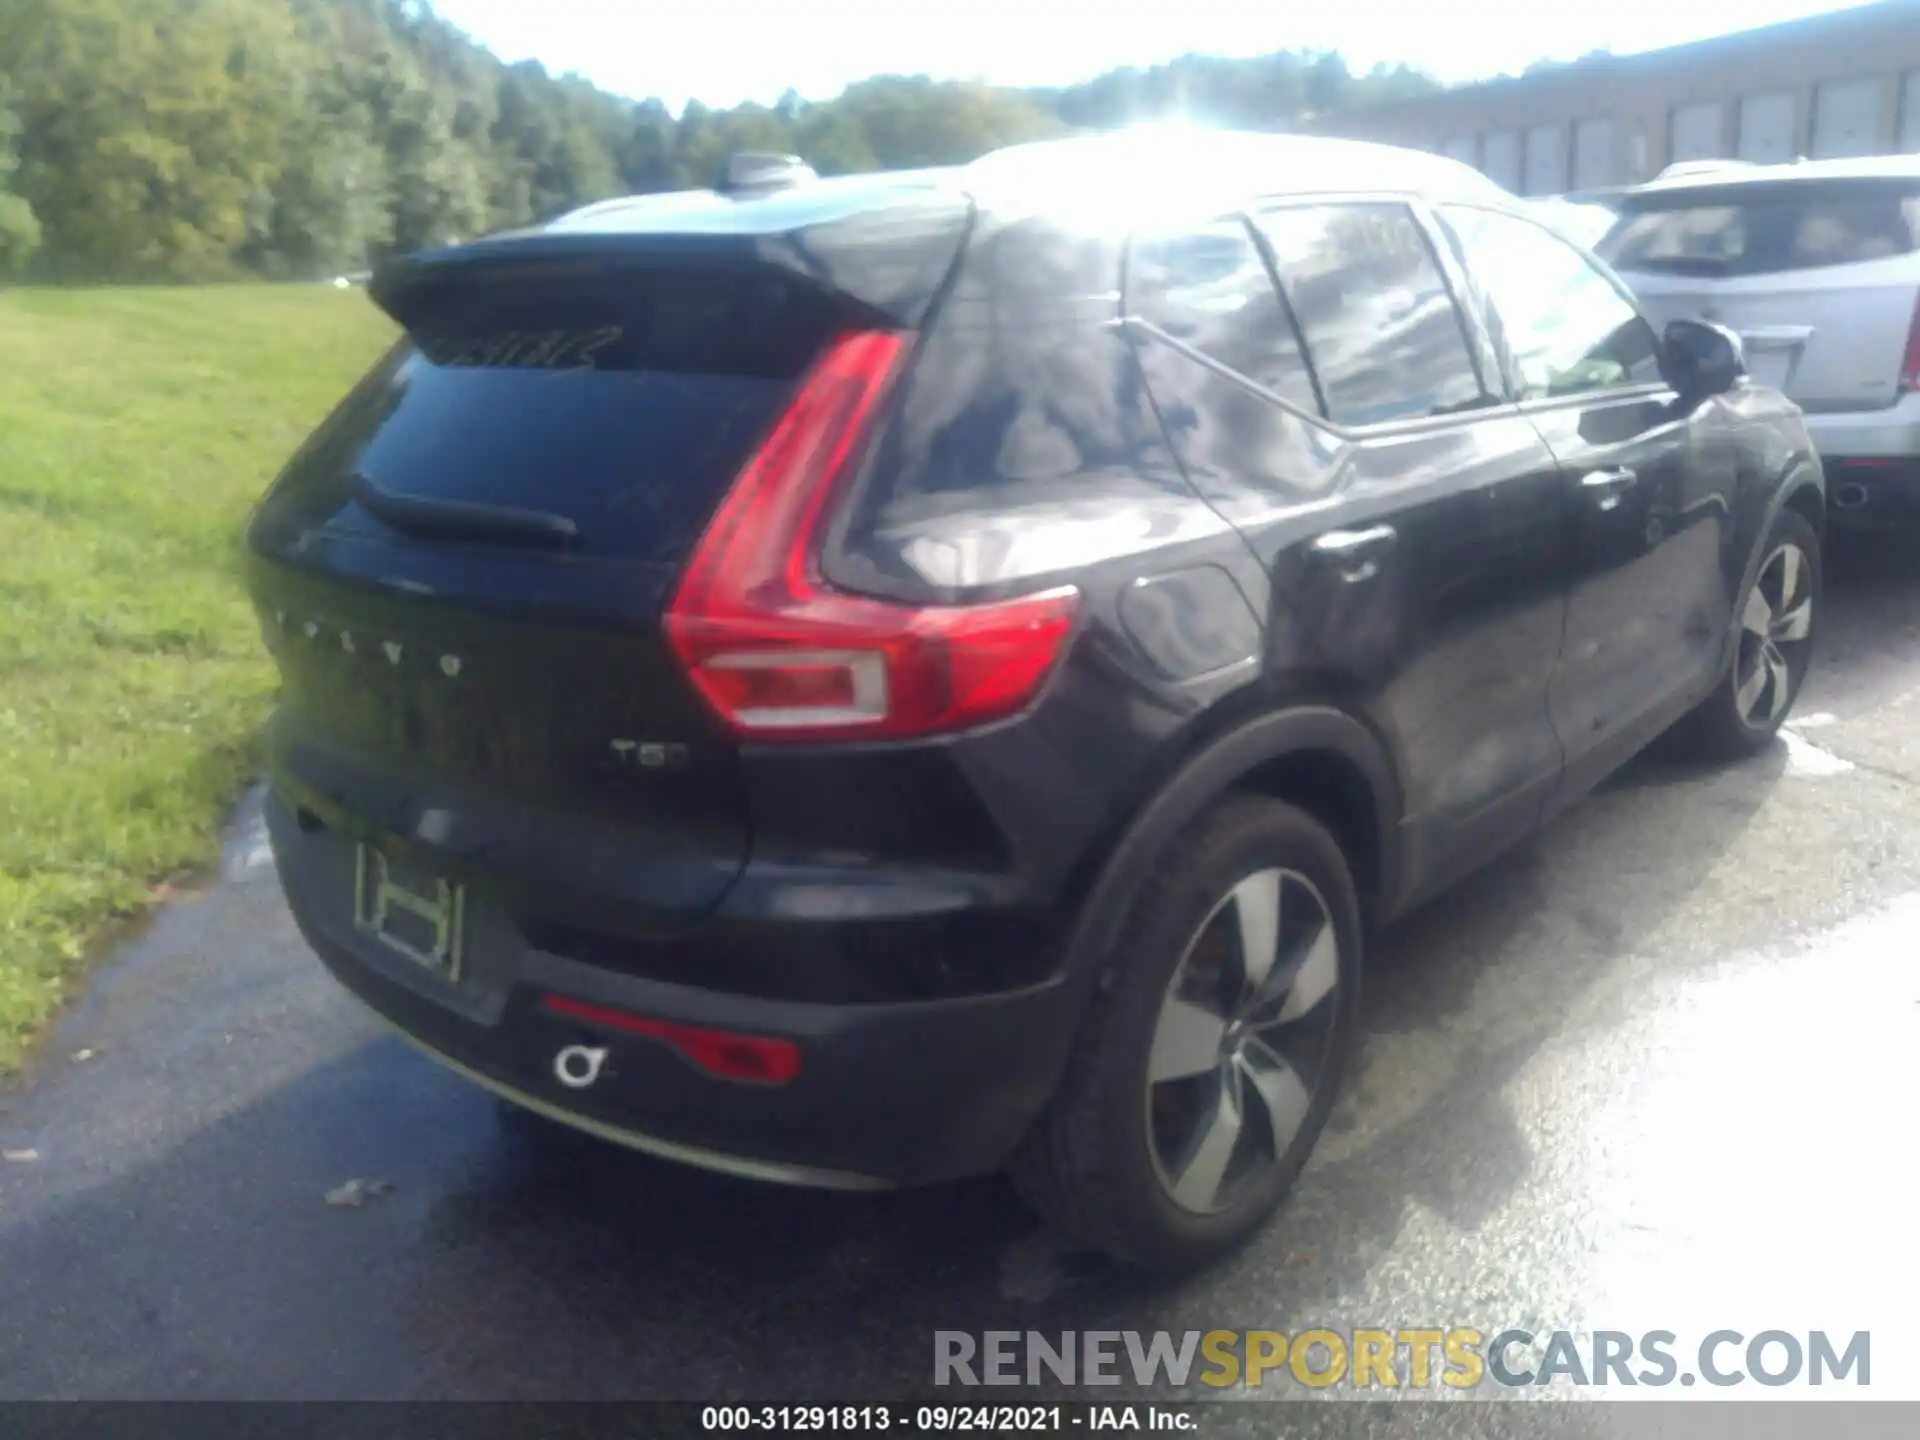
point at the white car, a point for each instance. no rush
(1816, 265)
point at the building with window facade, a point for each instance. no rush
(1843, 83)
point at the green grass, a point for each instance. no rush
(136, 428)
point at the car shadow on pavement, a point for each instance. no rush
(511, 1263)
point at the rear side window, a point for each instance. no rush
(1758, 230)
(1381, 328)
(1209, 288)
(624, 401)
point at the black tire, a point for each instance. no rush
(1722, 727)
(1092, 1164)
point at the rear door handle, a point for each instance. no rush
(1356, 553)
(1608, 487)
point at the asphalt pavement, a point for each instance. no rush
(1655, 1069)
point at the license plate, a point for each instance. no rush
(412, 913)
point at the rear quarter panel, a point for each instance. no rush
(1021, 451)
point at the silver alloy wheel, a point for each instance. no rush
(1242, 1039)
(1775, 621)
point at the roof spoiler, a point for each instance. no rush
(892, 262)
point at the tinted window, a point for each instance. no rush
(759, 326)
(1761, 231)
(1564, 323)
(1210, 289)
(1382, 332)
(624, 402)
(1020, 441)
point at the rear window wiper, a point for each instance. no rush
(464, 519)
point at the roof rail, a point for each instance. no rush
(753, 171)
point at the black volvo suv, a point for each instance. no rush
(869, 681)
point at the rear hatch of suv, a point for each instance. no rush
(1820, 276)
(462, 574)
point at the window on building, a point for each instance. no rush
(1846, 118)
(1547, 160)
(1767, 129)
(1565, 325)
(1500, 159)
(1209, 288)
(1379, 321)
(1696, 133)
(1596, 154)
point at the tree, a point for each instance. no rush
(911, 121)
(560, 140)
(646, 150)
(1328, 81)
(19, 226)
(19, 234)
(333, 207)
(333, 201)
(834, 142)
(150, 135)
(187, 139)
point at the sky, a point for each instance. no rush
(723, 52)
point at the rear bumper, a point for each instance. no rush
(887, 1093)
(1872, 460)
(1892, 433)
(1873, 494)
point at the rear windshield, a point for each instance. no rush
(623, 402)
(1751, 230)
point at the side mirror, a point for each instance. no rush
(1698, 359)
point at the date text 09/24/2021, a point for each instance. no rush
(921, 1419)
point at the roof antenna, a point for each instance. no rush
(753, 172)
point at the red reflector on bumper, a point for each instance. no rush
(757, 1059)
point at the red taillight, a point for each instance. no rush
(1910, 368)
(760, 1059)
(778, 655)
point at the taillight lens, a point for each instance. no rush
(1910, 368)
(780, 656)
(757, 1059)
